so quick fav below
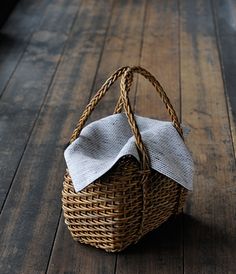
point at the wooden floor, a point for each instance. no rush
(54, 55)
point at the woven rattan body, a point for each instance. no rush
(107, 214)
(128, 201)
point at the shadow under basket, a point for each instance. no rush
(108, 213)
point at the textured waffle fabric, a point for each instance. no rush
(102, 143)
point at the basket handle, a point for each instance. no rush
(163, 95)
(125, 85)
(92, 104)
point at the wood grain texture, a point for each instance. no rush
(28, 229)
(225, 22)
(160, 251)
(50, 70)
(15, 36)
(23, 227)
(120, 48)
(25, 93)
(209, 226)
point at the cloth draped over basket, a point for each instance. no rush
(133, 187)
(102, 143)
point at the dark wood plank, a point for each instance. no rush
(122, 47)
(160, 251)
(30, 216)
(15, 35)
(225, 20)
(29, 220)
(209, 234)
(25, 93)
(160, 55)
(71, 257)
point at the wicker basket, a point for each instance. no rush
(131, 199)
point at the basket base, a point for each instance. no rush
(107, 214)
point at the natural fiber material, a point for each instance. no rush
(103, 142)
(131, 199)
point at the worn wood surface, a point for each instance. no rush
(119, 45)
(225, 24)
(53, 56)
(209, 223)
(24, 94)
(161, 37)
(26, 19)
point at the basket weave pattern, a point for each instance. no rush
(129, 200)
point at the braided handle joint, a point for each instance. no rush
(123, 102)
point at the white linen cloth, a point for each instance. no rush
(102, 143)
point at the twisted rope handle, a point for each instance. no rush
(125, 85)
(123, 101)
(92, 104)
(161, 92)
